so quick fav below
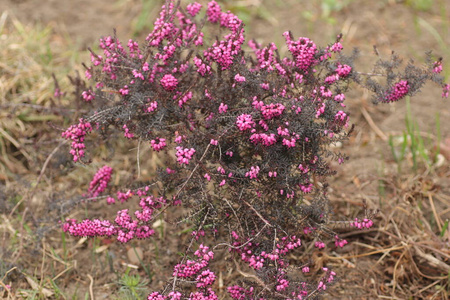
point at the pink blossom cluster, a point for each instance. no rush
(365, 223)
(398, 91)
(245, 122)
(283, 282)
(339, 242)
(138, 74)
(213, 12)
(125, 90)
(266, 57)
(342, 118)
(328, 278)
(163, 28)
(437, 66)
(331, 79)
(124, 226)
(272, 110)
(240, 293)
(158, 144)
(306, 188)
(127, 133)
(223, 52)
(100, 181)
(320, 110)
(257, 261)
(169, 82)
(124, 196)
(303, 50)
(58, 93)
(185, 98)
(253, 173)
(89, 228)
(88, 95)
(133, 48)
(290, 143)
(325, 92)
(337, 47)
(193, 8)
(202, 68)
(184, 155)
(239, 78)
(343, 70)
(319, 245)
(263, 138)
(152, 106)
(198, 271)
(77, 134)
(223, 108)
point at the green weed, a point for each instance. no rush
(132, 287)
(414, 145)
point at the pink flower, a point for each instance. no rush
(437, 66)
(88, 95)
(343, 70)
(184, 155)
(158, 144)
(213, 12)
(152, 106)
(245, 122)
(127, 133)
(303, 50)
(169, 82)
(239, 78)
(100, 181)
(253, 173)
(398, 91)
(77, 134)
(445, 90)
(124, 91)
(193, 8)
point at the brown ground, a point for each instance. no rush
(396, 260)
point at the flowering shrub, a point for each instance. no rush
(246, 137)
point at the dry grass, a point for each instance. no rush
(28, 57)
(407, 255)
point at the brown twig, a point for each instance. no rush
(372, 125)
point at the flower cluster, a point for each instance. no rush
(77, 133)
(365, 223)
(303, 50)
(124, 226)
(399, 91)
(184, 155)
(196, 270)
(100, 181)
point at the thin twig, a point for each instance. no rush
(373, 125)
(257, 213)
(138, 158)
(436, 217)
(16, 144)
(243, 245)
(91, 285)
